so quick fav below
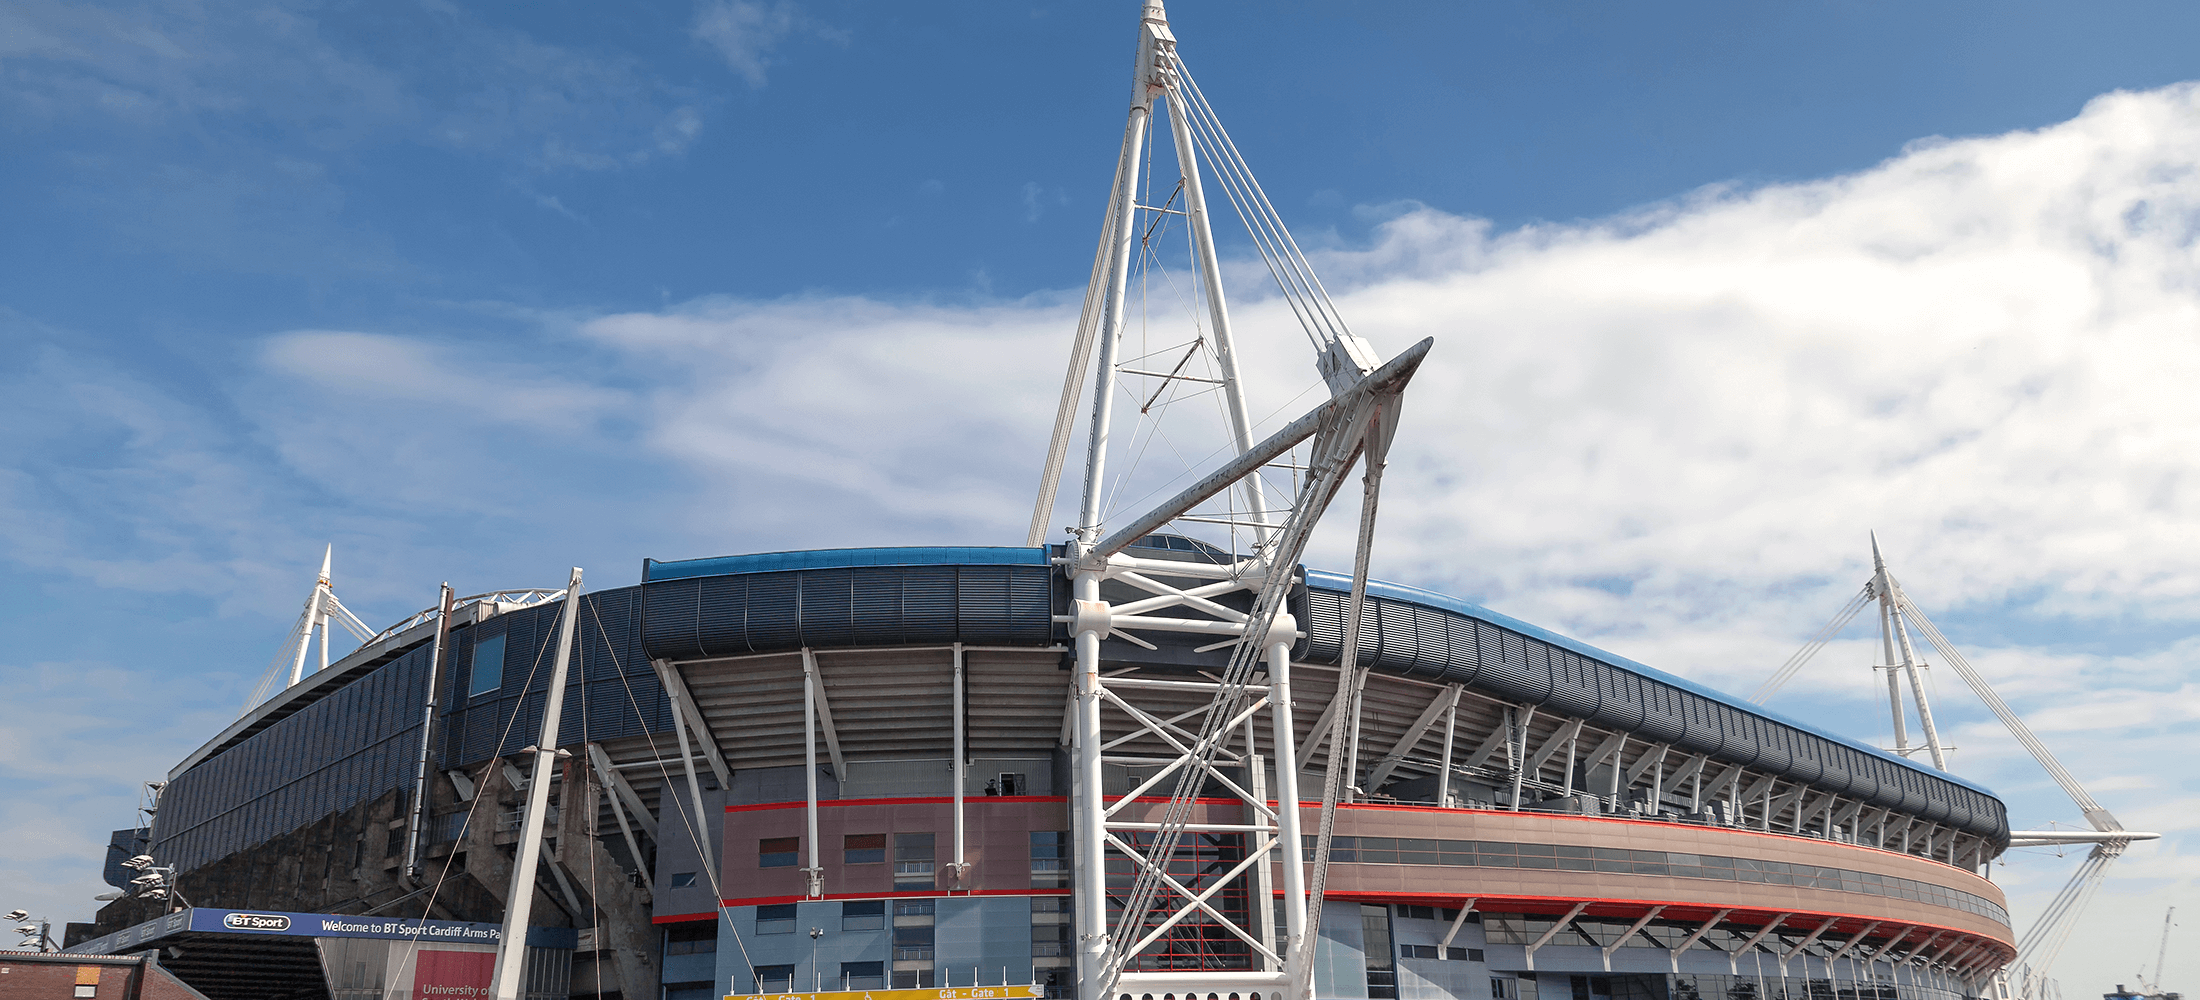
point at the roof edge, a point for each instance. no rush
(654, 570)
(1326, 580)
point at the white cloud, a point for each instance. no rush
(1667, 433)
(744, 32)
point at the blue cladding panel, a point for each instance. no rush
(773, 562)
(859, 605)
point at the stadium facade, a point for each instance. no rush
(854, 768)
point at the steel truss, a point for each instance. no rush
(1143, 831)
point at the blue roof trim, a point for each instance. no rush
(1325, 580)
(776, 562)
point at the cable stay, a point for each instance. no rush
(1794, 664)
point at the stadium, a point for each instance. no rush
(1162, 760)
(1540, 818)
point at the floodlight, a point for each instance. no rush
(29, 929)
(109, 897)
(153, 894)
(17, 914)
(141, 861)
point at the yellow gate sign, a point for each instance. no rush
(943, 993)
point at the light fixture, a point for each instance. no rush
(17, 914)
(109, 897)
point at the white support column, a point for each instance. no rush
(1517, 749)
(520, 897)
(1804, 943)
(1733, 958)
(1562, 924)
(611, 780)
(960, 768)
(1089, 801)
(1412, 737)
(1122, 234)
(1451, 726)
(1636, 928)
(816, 870)
(1695, 936)
(1264, 876)
(683, 702)
(1291, 841)
(695, 793)
(1466, 906)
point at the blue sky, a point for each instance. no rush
(476, 293)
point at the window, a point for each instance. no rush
(777, 919)
(1416, 951)
(777, 852)
(913, 907)
(863, 975)
(912, 944)
(1051, 904)
(1463, 955)
(697, 938)
(488, 672)
(774, 978)
(1050, 941)
(912, 859)
(683, 880)
(863, 849)
(1501, 988)
(1014, 784)
(1049, 859)
(1382, 980)
(869, 915)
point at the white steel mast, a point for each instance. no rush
(2025, 976)
(1357, 422)
(519, 900)
(322, 608)
(1890, 623)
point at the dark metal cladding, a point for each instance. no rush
(362, 740)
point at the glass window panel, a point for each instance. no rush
(488, 667)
